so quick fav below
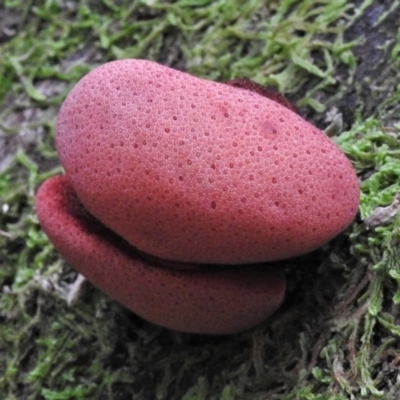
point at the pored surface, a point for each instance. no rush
(192, 170)
(221, 300)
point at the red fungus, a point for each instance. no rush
(193, 171)
(198, 171)
(205, 300)
(247, 84)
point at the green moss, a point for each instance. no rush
(336, 337)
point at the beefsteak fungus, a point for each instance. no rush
(213, 300)
(190, 171)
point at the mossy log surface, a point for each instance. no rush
(337, 336)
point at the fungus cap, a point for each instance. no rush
(191, 170)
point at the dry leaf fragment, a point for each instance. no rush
(383, 215)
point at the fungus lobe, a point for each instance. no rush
(190, 171)
(211, 300)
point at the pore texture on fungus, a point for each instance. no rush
(208, 176)
(225, 300)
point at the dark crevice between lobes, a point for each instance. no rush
(92, 226)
